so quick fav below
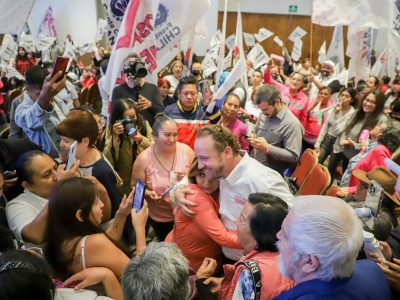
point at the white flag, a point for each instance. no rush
(69, 51)
(278, 41)
(263, 34)
(257, 56)
(208, 65)
(221, 53)
(14, 14)
(358, 13)
(8, 48)
(378, 68)
(322, 53)
(174, 19)
(228, 60)
(297, 48)
(215, 45)
(297, 33)
(249, 39)
(85, 48)
(12, 72)
(28, 42)
(101, 29)
(115, 12)
(240, 67)
(358, 53)
(336, 51)
(136, 34)
(230, 41)
(48, 25)
(45, 42)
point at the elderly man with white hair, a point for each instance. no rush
(319, 242)
(327, 78)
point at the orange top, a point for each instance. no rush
(202, 235)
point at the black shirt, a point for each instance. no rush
(149, 91)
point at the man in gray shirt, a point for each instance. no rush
(279, 133)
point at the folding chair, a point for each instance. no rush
(316, 182)
(307, 162)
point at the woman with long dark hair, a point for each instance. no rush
(366, 117)
(22, 61)
(122, 147)
(75, 240)
(335, 124)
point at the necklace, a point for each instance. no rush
(162, 166)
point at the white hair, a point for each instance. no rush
(329, 229)
(160, 273)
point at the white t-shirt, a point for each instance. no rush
(71, 294)
(65, 98)
(173, 81)
(22, 210)
(249, 176)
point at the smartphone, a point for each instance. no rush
(205, 89)
(71, 155)
(166, 191)
(374, 197)
(138, 197)
(60, 65)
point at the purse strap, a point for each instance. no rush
(253, 267)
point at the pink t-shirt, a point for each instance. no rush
(158, 180)
(297, 104)
(240, 131)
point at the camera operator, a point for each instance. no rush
(126, 136)
(146, 95)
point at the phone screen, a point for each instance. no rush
(138, 197)
(71, 155)
(60, 65)
(374, 197)
(205, 89)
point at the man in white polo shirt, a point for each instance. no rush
(219, 156)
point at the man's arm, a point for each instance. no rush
(25, 224)
(292, 142)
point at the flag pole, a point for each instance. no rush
(311, 37)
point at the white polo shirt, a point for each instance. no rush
(22, 210)
(249, 176)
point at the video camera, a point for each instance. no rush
(135, 69)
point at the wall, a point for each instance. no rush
(268, 6)
(75, 17)
(282, 25)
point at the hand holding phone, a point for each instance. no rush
(60, 64)
(138, 197)
(71, 155)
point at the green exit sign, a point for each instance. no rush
(293, 8)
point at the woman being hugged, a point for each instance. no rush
(161, 166)
(203, 234)
(127, 135)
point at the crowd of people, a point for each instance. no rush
(218, 220)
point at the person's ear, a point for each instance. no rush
(85, 142)
(228, 152)
(28, 186)
(78, 215)
(309, 264)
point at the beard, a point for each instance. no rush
(281, 267)
(324, 74)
